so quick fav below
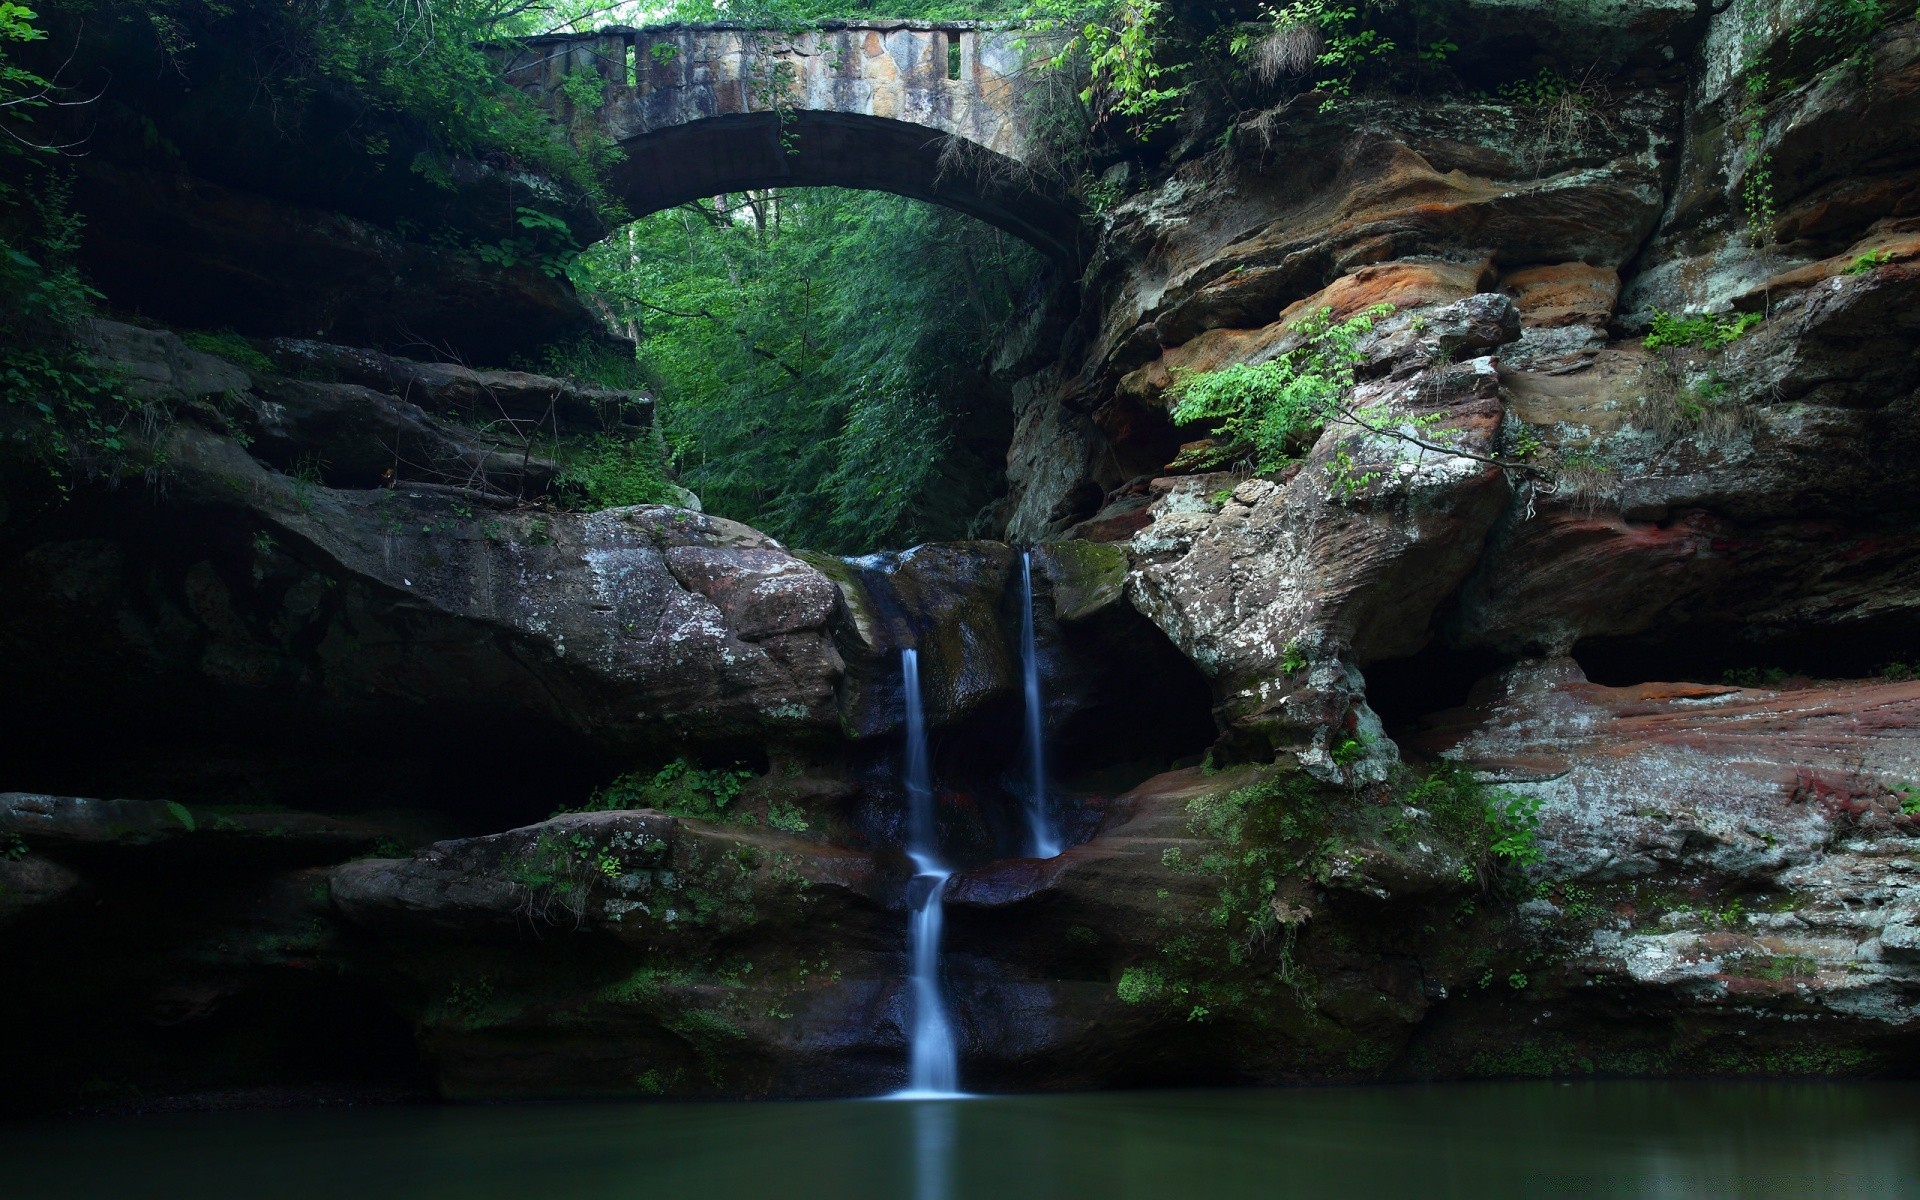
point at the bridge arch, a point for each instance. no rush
(921, 110)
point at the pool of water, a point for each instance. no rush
(1483, 1141)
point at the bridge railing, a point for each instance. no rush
(655, 56)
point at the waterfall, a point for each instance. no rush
(933, 1067)
(1046, 840)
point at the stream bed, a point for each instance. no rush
(1639, 1139)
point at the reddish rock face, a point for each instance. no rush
(1563, 294)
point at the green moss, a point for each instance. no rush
(1528, 1058)
(232, 347)
(1086, 576)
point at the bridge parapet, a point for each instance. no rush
(954, 78)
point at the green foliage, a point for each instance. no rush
(467, 1003)
(1495, 827)
(1347, 41)
(592, 361)
(1840, 28)
(1513, 823)
(1868, 261)
(817, 357)
(72, 418)
(1756, 185)
(1348, 750)
(1544, 88)
(679, 788)
(1908, 796)
(1293, 660)
(1705, 331)
(786, 816)
(182, 815)
(1689, 393)
(613, 472)
(21, 90)
(12, 848)
(431, 63)
(544, 240)
(232, 347)
(1125, 57)
(1268, 414)
(1141, 985)
(78, 423)
(1827, 32)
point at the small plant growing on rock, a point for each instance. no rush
(614, 472)
(1706, 332)
(1139, 985)
(1586, 478)
(1348, 751)
(1265, 415)
(786, 816)
(1494, 826)
(550, 874)
(1689, 393)
(1868, 261)
(680, 789)
(231, 346)
(1331, 35)
(1293, 659)
(1563, 108)
(1754, 677)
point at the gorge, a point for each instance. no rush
(1449, 611)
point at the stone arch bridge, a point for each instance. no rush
(930, 111)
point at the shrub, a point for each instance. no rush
(613, 472)
(679, 788)
(786, 816)
(1493, 826)
(1268, 414)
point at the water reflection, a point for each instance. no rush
(933, 1122)
(1481, 1141)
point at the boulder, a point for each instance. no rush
(1278, 590)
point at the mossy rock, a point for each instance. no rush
(1087, 577)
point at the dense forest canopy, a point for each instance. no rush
(817, 357)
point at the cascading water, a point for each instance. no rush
(933, 1067)
(1045, 838)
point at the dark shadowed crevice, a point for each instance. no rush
(1402, 691)
(1751, 654)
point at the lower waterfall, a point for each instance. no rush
(933, 1067)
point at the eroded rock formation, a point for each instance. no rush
(1649, 609)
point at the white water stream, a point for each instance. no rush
(1045, 838)
(933, 1067)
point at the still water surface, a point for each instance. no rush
(1482, 1141)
